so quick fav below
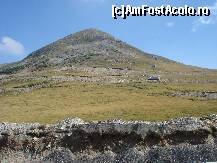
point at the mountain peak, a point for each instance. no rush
(89, 35)
(93, 31)
(92, 48)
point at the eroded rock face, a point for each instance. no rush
(73, 140)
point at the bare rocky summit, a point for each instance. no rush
(73, 140)
(96, 50)
(90, 48)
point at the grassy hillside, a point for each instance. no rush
(99, 101)
(94, 76)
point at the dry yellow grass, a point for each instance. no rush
(99, 102)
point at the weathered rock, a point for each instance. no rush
(208, 95)
(73, 140)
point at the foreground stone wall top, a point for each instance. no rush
(74, 140)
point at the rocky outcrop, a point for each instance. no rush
(210, 95)
(73, 140)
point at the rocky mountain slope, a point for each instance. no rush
(73, 140)
(110, 79)
(93, 48)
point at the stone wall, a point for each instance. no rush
(73, 140)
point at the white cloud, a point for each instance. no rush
(170, 24)
(11, 47)
(212, 19)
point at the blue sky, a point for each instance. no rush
(27, 25)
